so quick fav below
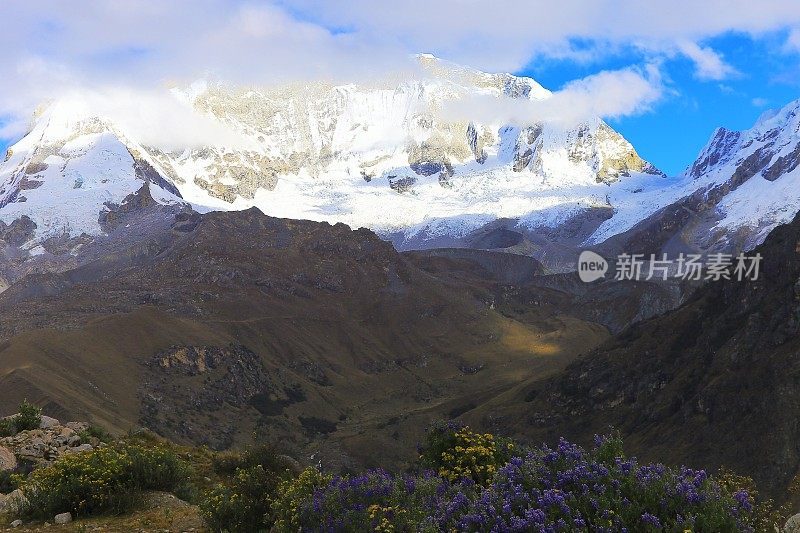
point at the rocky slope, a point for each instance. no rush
(713, 382)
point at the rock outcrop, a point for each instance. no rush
(8, 461)
(47, 443)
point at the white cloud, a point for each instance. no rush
(506, 34)
(159, 118)
(792, 44)
(609, 94)
(709, 65)
(48, 47)
(759, 102)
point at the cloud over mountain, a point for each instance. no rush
(48, 46)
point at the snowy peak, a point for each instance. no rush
(741, 186)
(69, 170)
(722, 146)
(751, 177)
(346, 152)
(506, 84)
(765, 150)
(395, 154)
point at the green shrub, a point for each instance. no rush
(104, 480)
(456, 452)
(11, 479)
(29, 417)
(242, 504)
(766, 515)
(7, 427)
(291, 493)
(7, 483)
(242, 501)
(226, 463)
(95, 432)
(373, 501)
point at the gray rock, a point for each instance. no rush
(48, 422)
(792, 524)
(7, 459)
(162, 500)
(80, 448)
(13, 503)
(16, 523)
(63, 518)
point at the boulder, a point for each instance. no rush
(162, 500)
(46, 443)
(16, 523)
(792, 524)
(63, 518)
(8, 460)
(80, 448)
(77, 426)
(13, 503)
(48, 422)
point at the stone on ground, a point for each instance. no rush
(63, 518)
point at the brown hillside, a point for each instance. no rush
(235, 326)
(715, 382)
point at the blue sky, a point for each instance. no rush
(672, 133)
(670, 79)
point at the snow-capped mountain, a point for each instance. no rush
(64, 178)
(384, 155)
(741, 186)
(752, 176)
(391, 155)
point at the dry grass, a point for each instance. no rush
(161, 513)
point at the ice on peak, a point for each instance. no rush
(766, 116)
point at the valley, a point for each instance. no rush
(311, 335)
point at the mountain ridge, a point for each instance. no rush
(304, 331)
(381, 156)
(384, 155)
